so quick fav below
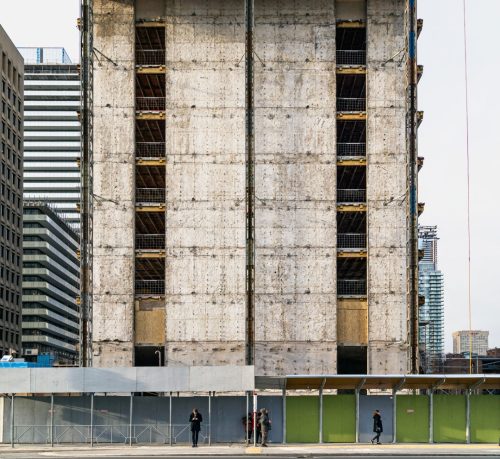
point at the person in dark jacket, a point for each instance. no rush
(195, 419)
(265, 426)
(377, 427)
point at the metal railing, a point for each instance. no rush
(351, 195)
(351, 241)
(150, 195)
(150, 241)
(351, 149)
(152, 104)
(150, 287)
(150, 57)
(106, 433)
(351, 287)
(351, 57)
(351, 104)
(150, 149)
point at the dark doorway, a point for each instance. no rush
(146, 356)
(352, 360)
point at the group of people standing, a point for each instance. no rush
(261, 425)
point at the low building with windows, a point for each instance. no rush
(51, 285)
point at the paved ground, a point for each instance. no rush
(236, 451)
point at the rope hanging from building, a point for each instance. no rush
(469, 295)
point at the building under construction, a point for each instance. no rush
(250, 184)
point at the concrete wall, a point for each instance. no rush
(387, 187)
(205, 175)
(295, 181)
(114, 183)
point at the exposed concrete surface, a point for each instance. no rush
(205, 225)
(295, 170)
(113, 169)
(387, 187)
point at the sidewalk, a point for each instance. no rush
(241, 450)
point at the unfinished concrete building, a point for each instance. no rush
(252, 172)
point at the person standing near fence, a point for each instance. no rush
(265, 424)
(195, 419)
(377, 427)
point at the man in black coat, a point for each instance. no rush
(195, 419)
(377, 427)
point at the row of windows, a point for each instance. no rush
(10, 215)
(9, 255)
(10, 195)
(11, 175)
(10, 295)
(10, 71)
(10, 235)
(11, 155)
(9, 316)
(14, 337)
(11, 135)
(7, 274)
(11, 115)
(11, 94)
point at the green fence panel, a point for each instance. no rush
(485, 418)
(449, 418)
(412, 419)
(302, 419)
(339, 418)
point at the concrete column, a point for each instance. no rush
(205, 182)
(113, 183)
(387, 185)
(295, 183)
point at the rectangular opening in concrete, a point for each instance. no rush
(351, 138)
(149, 356)
(150, 46)
(351, 46)
(351, 184)
(352, 360)
(351, 277)
(351, 93)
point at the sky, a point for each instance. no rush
(442, 137)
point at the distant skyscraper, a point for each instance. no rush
(431, 314)
(52, 131)
(11, 143)
(461, 341)
(51, 285)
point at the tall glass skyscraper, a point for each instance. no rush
(52, 131)
(431, 287)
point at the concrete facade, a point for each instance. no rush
(301, 316)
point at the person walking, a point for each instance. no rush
(248, 426)
(195, 419)
(377, 427)
(258, 433)
(265, 425)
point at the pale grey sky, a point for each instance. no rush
(441, 136)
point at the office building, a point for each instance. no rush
(462, 342)
(234, 218)
(51, 286)
(11, 151)
(52, 131)
(431, 313)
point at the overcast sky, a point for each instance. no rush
(441, 136)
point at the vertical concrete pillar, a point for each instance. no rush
(205, 182)
(295, 183)
(114, 183)
(387, 184)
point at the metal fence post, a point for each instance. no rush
(356, 392)
(91, 420)
(209, 418)
(254, 417)
(246, 419)
(394, 415)
(283, 401)
(431, 416)
(130, 419)
(467, 413)
(321, 410)
(12, 421)
(52, 420)
(170, 419)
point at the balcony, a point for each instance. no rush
(150, 57)
(150, 242)
(351, 287)
(351, 195)
(150, 287)
(351, 57)
(351, 149)
(351, 104)
(150, 150)
(352, 241)
(150, 104)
